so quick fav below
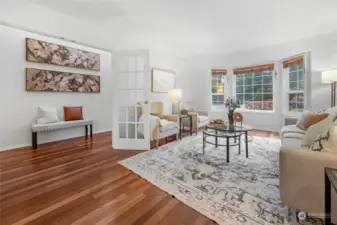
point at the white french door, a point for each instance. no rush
(131, 107)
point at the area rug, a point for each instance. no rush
(243, 191)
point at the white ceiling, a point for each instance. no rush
(191, 27)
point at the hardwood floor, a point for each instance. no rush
(78, 181)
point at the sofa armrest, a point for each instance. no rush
(172, 118)
(202, 112)
(302, 178)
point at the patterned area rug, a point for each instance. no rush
(244, 191)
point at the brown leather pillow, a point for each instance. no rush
(314, 118)
(160, 115)
(73, 113)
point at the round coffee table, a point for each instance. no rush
(225, 131)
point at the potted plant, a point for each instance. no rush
(231, 104)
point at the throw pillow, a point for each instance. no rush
(160, 115)
(332, 113)
(314, 118)
(326, 142)
(73, 113)
(305, 115)
(46, 115)
(316, 130)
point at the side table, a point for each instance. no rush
(181, 117)
(330, 180)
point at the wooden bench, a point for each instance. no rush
(59, 125)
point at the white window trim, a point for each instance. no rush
(227, 87)
(307, 86)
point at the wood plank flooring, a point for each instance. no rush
(78, 181)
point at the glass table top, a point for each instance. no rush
(226, 127)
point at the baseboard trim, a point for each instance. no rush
(20, 146)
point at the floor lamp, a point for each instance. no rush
(330, 77)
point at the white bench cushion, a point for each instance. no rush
(60, 125)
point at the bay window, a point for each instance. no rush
(219, 78)
(254, 87)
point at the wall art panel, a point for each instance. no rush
(44, 52)
(55, 81)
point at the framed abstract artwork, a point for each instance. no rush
(162, 80)
(44, 52)
(56, 81)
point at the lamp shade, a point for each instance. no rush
(175, 94)
(329, 76)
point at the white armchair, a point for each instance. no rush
(199, 120)
(162, 126)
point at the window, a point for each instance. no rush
(218, 88)
(295, 84)
(254, 87)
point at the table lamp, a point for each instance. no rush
(330, 77)
(175, 95)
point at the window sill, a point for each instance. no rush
(254, 111)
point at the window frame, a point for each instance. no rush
(306, 89)
(218, 107)
(273, 85)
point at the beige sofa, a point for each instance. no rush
(302, 174)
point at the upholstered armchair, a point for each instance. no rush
(199, 120)
(161, 125)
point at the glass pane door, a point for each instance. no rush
(131, 104)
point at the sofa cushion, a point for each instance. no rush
(73, 113)
(202, 119)
(304, 116)
(314, 119)
(326, 142)
(60, 125)
(298, 136)
(332, 113)
(292, 143)
(46, 115)
(160, 115)
(167, 125)
(291, 129)
(316, 130)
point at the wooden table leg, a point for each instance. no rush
(327, 199)
(86, 131)
(91, 131)
(191, 131)
(34, 140)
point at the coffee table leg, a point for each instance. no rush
(203, 143)
(216, 139)
(240, 145)
(246, 134)
(180, 127)
(327, 200)
(227, 149)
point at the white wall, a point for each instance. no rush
(19, 107)
(162, 61)
(324, 56)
